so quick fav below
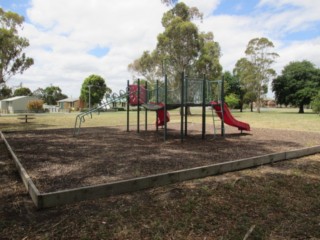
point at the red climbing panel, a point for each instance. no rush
(133, 95)
(160, 120)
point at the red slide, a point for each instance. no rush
(160, 120)
(228, 118)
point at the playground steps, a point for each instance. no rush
(216, 120)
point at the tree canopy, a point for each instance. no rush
(245, 73)
(5, 92)
(50, 95)
(12, 58)
(22, 91)
(255, 70)
(180, 48)
(93, 89)
(298, 84)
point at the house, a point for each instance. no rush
(68, 104)
(17, 104)
(50, 108)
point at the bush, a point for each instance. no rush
(35, 105)
(315, 104)
(232, 100)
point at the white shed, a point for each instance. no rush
(17, 104)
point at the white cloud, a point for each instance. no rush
(62, 33)
(206, 7)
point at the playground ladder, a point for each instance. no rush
(215, 119)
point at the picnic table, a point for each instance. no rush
(25, 117)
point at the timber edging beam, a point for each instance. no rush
(52, 199)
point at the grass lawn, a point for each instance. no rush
(276, 118)
(270, 202)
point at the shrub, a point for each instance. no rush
(35, 105)
(232, 100)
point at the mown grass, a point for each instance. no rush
(275, 118)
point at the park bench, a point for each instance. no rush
(25, 117)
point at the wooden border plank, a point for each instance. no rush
(28, 183)
(52, 199)
(92, 192)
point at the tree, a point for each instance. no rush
(232, 100)
(12, 58)
(259, 54)
(146, 66)
(5, 92)
(208, 61)
(22, 91)
(298, 84)
(315, 104)
(244, 72)
(180, 48)
(51, 95)
(93, 90)
(39, 93)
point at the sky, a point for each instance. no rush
(70, 40)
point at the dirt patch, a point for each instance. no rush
(57, 160)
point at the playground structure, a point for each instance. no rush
(188, 92)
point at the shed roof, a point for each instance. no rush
(68, 100)
(16, 98)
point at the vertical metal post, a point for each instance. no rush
(222, 106)
(146, 110)
(204, 107)
(186, 106)
(182, 106)
(138, 110)
(157, 100)
(89, 86)
(128, 102)
(165, 106)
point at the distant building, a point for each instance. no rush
(69, 104)
(50, 108)
(17, 104)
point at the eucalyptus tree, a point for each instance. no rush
(52, 94)
(259, 53)
(12, 58)
(181, 47)
(245, 73)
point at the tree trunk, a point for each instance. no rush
(188, 111)
(251, 106)
(301, 110)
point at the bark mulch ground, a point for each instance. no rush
(56, 160)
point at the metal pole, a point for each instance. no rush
(204, 107)
(182, 106)
(186, 107)
(165, 106)
(222, 106)
(146, 110)
(128, 101)
(138, 110)
(157, 100)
